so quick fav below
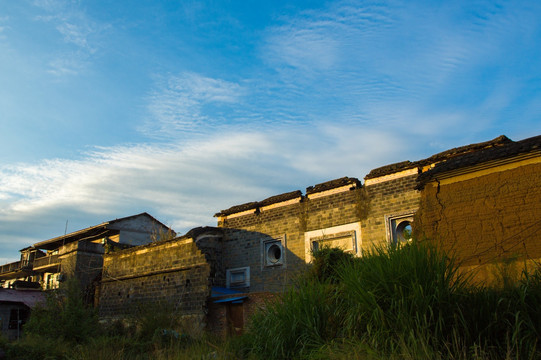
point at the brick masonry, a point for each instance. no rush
(175, 273)
(385, 199)
(351, 204)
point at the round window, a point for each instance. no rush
(274, 253)
(404, 231)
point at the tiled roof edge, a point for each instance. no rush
(328, 185)
(333, 184)
(436, 158)
(474, 158)
(390, 169)
(256, 204)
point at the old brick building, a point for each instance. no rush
(79, 253)
(219, 274)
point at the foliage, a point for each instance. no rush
(161, 234)
(37, 347)
(406, 301)
(403, 302)
(63, 316)
(326, 263)
(303, 319)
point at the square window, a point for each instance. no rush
(343, 240)
(346, 237)
(238, 277)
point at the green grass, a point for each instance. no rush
(407, 302)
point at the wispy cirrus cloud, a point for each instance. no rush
(81, 35)
(391, 63)
(181, 103)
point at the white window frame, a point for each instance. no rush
(231, 272)
(334, 232)
(393, 221)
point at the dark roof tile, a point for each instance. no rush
(333, 184)
(506, 150)
(257, 204)
(390, 169)
(439, 157)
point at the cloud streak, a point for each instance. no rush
(180, 104)
(182, 184)
(80, 35)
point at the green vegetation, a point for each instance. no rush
(405, 302)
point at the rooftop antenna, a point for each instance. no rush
(65, 232)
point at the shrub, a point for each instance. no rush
(64, 316)
(326, 262)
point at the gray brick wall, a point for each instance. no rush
(173, 272)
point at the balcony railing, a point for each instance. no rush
(14, 266)
(46, 261)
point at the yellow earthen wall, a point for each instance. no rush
(486, 219)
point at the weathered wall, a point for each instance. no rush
(220, 321)
(173, 272)
(482, 219)
(290, 221)
(392, 197)
(343, 211)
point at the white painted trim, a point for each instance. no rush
(242, 213)
(283, 246)
(331, 191)
(389, 230)
(309, 235)
(280, 204)
(393, 176)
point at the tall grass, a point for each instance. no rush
(400, 302)
(399, 295)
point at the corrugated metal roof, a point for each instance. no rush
(234, 300)
(30, 298)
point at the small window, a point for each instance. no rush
(403, 231)
(273, 252)
(17, 318)
(399, 227)
(238, 277)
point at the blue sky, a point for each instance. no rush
(185, 108)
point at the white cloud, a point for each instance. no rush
(81, 37)
(71, 64)
(176, 105)
(182, 184)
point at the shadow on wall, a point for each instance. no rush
(259, 262)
